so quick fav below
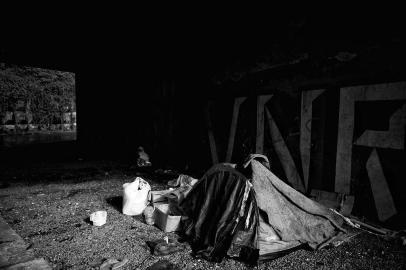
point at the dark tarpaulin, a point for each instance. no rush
(219, 215)
(293, 216)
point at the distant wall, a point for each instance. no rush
(21, 122)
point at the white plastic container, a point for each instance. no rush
(135, 197)
(164, 221)
(99, 218)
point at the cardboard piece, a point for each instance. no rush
(165, 221)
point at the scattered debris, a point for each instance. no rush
(120, 264)
(67, 238)
(181, 186)
(163, 265)
(401, 235)
(369, 227)
(143, 158)
(346, 219)
(149, 214)
(113, 264)
(182, 180)
(165, 246)
(159, 195)
(344, 238)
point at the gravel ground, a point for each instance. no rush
(53, 218)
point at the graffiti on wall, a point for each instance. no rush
(391, 138)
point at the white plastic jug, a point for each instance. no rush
(135, 196)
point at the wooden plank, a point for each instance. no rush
(393, 138)
(284, 155)
(233, 127)
(259, 142)
(212, 142)
(384, 203)
(306, 130)
(344, 141)
(374, 227)
(341, 202)
(318, 143)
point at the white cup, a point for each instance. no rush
(98, 218)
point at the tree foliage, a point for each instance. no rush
(46, 94)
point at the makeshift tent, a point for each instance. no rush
(253, 218)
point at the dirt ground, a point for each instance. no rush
(50, 208)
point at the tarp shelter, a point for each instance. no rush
(254, 218)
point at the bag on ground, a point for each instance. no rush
(135, 196)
